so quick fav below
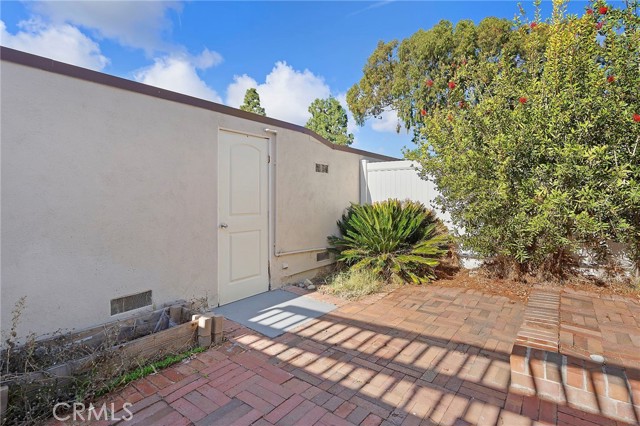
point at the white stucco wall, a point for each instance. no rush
(108, 192)
(105, 193)
(309, 203)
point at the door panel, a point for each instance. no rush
(244, 249)
(242, 209)
(245, 180)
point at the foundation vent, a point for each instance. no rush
(129, 303)
(322, 168)
(322, 256)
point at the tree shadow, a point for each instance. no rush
(409, 372)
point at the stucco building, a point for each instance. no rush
(112, 188)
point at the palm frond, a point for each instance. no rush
(393, 238)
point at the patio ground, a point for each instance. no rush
(418, 355)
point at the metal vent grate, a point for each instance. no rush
(322, 256)
(322, 168)
(129, 303)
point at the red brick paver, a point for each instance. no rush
(418, 355)
(592, 364)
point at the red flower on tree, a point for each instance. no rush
(523, 100)
(450, 117)
(599, 25)
(423, 112)
(452, 85)
(611, 79)
(533, 25)
(636, 117)
(589, 11)
(461, 104)
(603, 10)
(429, 82)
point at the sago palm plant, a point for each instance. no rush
(393, 238)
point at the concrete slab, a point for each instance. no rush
(274, 312)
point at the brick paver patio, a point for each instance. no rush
(419, 355)
(579, 350)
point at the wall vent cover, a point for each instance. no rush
(322, 256)
(322, 168)
(129, 303)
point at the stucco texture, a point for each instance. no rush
(108, 192)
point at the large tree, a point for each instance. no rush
(329, 120)
(252, 102)
(530, 129)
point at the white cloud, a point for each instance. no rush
(388, 122)
(132, 23)
(179, 73)
(237, 90)
(286, 93)
(206, 59)
(63, 43)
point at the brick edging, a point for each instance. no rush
(541, 324)
(538, 369)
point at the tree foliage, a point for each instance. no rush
(252, 102)
(531, 130)
(329, 120)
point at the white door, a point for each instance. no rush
(243, 231)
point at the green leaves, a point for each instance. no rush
(392, 238)
(544, 156)
(252, 102)
(329, 120)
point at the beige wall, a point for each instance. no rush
(107, 192)
(309, 203)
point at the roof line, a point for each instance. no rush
(50, 65)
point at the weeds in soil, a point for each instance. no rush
(68, 368)
(148, 369)
(354, 284)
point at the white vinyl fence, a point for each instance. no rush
(397, 179)
(401, 180)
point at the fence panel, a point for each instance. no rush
(397, 179)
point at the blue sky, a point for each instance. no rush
(292, 52)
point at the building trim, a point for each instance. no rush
(49, 65)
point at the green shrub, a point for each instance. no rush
(530, 129)
(393, 239)
(354, 284)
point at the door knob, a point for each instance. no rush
(224, 225)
